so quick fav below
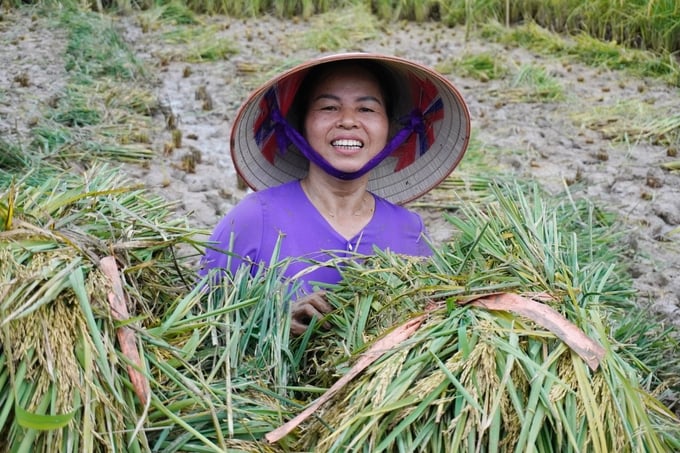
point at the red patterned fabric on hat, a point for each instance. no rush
(428, 109)
(279, 97)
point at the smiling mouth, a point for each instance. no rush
(348, 144)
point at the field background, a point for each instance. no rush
(577, 113)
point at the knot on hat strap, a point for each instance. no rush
(415, 121)
(419, 122)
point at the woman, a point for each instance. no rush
(332, 148)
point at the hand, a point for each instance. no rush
(303, 310)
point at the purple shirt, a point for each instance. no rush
(261, 217)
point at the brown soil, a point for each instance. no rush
(545, 142)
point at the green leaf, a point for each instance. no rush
(41, 422)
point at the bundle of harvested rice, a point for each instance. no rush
(220, 371)
(63, 382)
(107, 342)
(472, 379)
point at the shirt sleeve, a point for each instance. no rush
(397, 229)
(237, 238)
(422, 243)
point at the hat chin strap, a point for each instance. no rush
(287, 134)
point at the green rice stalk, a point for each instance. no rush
(587, 49)
(483, 66)
(336, 30)
(96, 49)
(634, 121)
(534, 84)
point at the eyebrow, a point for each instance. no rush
(336, 98)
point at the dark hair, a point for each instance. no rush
(380, 72)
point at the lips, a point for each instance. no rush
(348, 144)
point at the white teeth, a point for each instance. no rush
(347, 143)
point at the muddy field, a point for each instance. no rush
(548, 142)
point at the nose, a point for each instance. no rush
(347, 118)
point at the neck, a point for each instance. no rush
(337, 198)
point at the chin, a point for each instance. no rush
(348, 165)
(348, 168)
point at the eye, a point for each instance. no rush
(324, 106)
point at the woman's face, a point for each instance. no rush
(346, 120)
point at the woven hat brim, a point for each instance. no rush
(451, 132)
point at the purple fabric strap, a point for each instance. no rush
(287, 134)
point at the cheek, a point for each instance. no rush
(387, 128)
(317, 126)
(311, 125)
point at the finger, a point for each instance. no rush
(297, 328)
(301, 317)
(302, 311)
(319, 303)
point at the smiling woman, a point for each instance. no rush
(332, 148)
(347, 125)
